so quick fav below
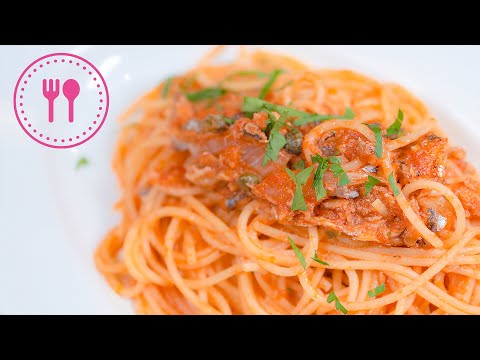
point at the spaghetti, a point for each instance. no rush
(262, 186)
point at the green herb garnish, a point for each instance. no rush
(377, 291)
(300, 165)
(228, 120)
(251, 105)
(300, 180)
(394, 129)
(276, 141)
(377, 131)
(268, 85)
(338, 171)
(82, 162)
(372, 181)
(166, 87)
(320, 191)
(393, 184)
(205, 94)
(259, 74)
(338, 306)
(315, 258)
(348, 115)
(298, 253)
(288, 83)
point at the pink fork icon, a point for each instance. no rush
(51, 94)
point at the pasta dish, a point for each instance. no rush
(263, 186)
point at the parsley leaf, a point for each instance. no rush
(276, 141)
(287, 84)
(228, 120)
(298, 202)
(268, 85)
(338, 305)
(394, 129)
(372, 181)
(251, 105)
(166, 87)
(348, 115)
(378, 139)
(256, 73)
(300, 165)
(377, 291)
(315, 258)
(208, 93)
(338, 171)
(82, 162)
(320, 191)
(298, 253)
(393, 184)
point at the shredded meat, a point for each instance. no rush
(425, 159)
(254, 131)
(469, 194)
(353, 216)
(220, 155)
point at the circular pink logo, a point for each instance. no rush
(61, 100)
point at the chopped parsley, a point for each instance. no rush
(259, 74)
(320, 191)
(268, 85)
(338, 305)
(298, 253)
(166, 87)
(299, 165)
(315, 258)
(228, 120)
(276, 141)
(82, 162)
(208, 93)
(393, 184)
(287, 84)
(377, 131)
(394, 129)
(372, 181)
(377, 291)
(251, 105)
(300, 180)
(338, 171)
(348, 115)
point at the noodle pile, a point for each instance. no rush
(176, 252)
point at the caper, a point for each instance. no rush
(294, 142)
(247, 180)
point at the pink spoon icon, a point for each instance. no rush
(71, 89)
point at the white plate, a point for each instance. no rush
(52, 217)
